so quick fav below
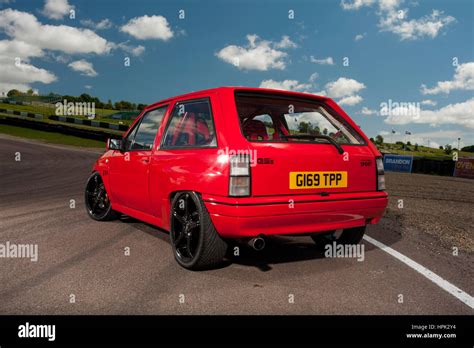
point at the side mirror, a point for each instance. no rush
(114, 144)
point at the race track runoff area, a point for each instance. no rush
(417, 260)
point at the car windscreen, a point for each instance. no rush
(269, 118)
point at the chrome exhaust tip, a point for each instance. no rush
(257, 243)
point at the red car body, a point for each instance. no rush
(142, 183)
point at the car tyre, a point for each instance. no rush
(195, 242)
(98, 205)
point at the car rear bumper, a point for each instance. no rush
(297, 214)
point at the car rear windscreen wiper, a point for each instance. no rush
(315, 136)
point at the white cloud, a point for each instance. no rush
(60, 58)
(427, 26)
(287, 85)
(368, 112)
(463, 80)
(256, 55)
(285, 43)
(137, 50)
(343, 87)
(350, 100)
(84, 67)
(23, 50)
(428, 102)
(394, 19)
(24, 73)
(23, 26)
(321, 93)
(356, 4)
(133, 50)
(459, 113)
(359, 37)
(388, 5)
(56, 9)
(313, 77)
(323, 61)
(29, 38)
(19, 76)
(148, 27)
(103, 24)
(15, 70)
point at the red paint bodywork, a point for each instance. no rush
(143, 186)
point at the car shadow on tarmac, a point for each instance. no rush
(282, 249)
(278, 250)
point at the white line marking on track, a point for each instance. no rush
(442, 283)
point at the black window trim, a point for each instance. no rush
(283, 96)
(189, 147)
(139, 122)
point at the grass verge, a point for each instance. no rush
(50, 137)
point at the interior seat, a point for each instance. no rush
(254, 129)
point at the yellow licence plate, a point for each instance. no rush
(306, 180)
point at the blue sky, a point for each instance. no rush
(404, 51)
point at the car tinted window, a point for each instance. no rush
(147, 129)
(191, 125)
(294, 119)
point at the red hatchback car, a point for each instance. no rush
(241, 163)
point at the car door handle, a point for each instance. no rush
(146, 160)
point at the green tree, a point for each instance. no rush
(109, 105)
(448, 149)
(84, 97)
(14, 93)
(123, 105)
(379, 139)
(304, 127)
(70, 98)
(469, 148)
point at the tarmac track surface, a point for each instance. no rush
(84, 260)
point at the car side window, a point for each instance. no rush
(127, 142)
(191, 125)
(144, 135)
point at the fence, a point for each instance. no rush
(421, 165)
(432, 166)
(90, 123)
(59, 128)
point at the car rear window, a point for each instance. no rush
(268, 118)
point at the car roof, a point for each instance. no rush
(236, 88)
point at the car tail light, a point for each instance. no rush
(380, 174)
(239, 184)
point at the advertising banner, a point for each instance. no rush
(464, 168)
(398, 163)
